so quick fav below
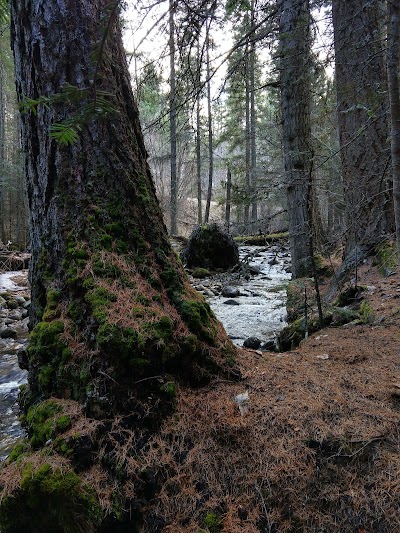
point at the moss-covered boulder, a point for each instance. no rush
(210, 247)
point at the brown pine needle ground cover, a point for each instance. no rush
(319, 450)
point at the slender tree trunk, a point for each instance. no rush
(393, 69)
(115, 320)
(297, 146)
(172, 119)
(247, 185)
(362, 119)
(253, 162)
(3, 101)
(198, 142)
(228, 199)
(210, 131)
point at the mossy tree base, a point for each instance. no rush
(116, 325)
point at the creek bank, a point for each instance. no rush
(14, 304)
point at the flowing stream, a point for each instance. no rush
(11, 376)
(260, 308)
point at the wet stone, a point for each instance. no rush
(8, 333)
(230, 292)
(231, 302)
(252, 342)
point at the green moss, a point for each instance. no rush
(213, 523)
(40, 422)
(122, 344)
(75, 312)
(106, 241)
(62, 446)
(105, 269)
(387, 258)
(366, 312)
(53, 499)
(115, 228)
(63, 423)
(121, 247)
(197, 315)
(77, 251)
(169, 389)
(46, 376)
(99, 299)
(200, 273)
(45, 343)
(262, 239)
(18, 451)
(43, 266)
(51, 311)
(170, 278)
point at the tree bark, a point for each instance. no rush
(210, 130)
(253, 158)
(362, 119)
(198, 141)
(115, 319)
(297, 147)
(247, 183)
(393, 68)
(172, 120)
(228, 199)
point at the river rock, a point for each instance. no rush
(231, 302)
(230, 292)
(8, 333)
(252, 342)
(254, 269)
(27, 304)
(269, 345)
(23, 360)
(12, 303)
(15, 315)
(21, 300)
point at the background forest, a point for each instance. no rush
(250, 108)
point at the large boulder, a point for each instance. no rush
(210, 247)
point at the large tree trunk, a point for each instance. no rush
(115, 320)
(297, 146)
(393, 67)
(362, 118)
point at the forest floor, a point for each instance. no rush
(318, 450)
